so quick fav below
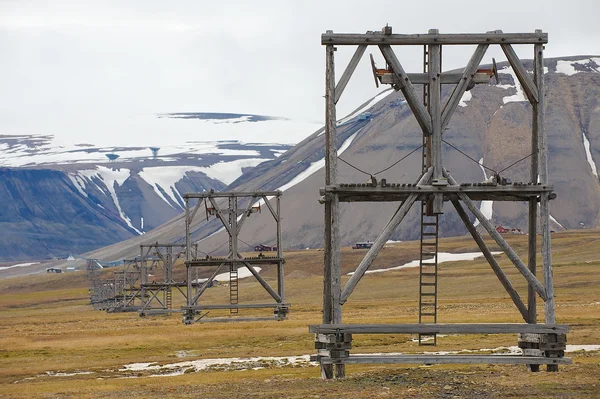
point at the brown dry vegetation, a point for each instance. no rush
(46, 325)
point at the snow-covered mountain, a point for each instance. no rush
(493, 124)
(137, 180)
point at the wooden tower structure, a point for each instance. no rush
(233, 209)
(541, 343)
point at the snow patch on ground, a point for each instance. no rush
(20, 265)
(588, 154)
(365, 107)
(520, 94)
(442, 257)
(165, 177)
(243, 272)
(234, 363)
(465, 98)
(568, 67)
(486, 207)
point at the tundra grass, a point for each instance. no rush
(47, 327)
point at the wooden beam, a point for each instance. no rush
(446, 78)
(410, 94)
(221, 216)
(514, 295)
(339, 89)
(383, 237)
(378, 38)
(510, 253)
(461, 87)
(331, 307)
(543, 172)
(194, 298)
(526, 82)
(439, 328)
(263, 282)
(446, 359)
(237, 306)
(231, 194)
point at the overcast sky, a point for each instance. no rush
(64, 62)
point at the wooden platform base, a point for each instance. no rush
(444, 359)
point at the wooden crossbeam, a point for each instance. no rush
(378, 38)
(221, 216)
(439, 328)
(232, 194)
(446, 359)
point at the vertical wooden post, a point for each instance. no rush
(332, 308)
(533, 208)
(435, 110)
(549, 316)
(188, 253)
(280, 271)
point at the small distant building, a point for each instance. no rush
(363, 245)
(264, 248)
(54, 270)
(502, 230)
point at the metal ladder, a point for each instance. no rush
(169, 298)
(233, 288)
(428, 258)
(428, 273)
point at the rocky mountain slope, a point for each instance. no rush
(492, 125)
(53, 189)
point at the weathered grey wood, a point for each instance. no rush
(263, 282)
(188, 250)
(543, 172)
(461, 87)
(240, 223)
(510, 253)
(410, 94)
(331, 308)
(450, 189)
(533, 210)
(280, 269)
(232, 194)
(446, 78)
(236, 319)
(236, 306)
(377, 38)
(435, 111)
(191, 217)
(514, 295)
(526, 82)
(205, 285)
(532, 254)
(221, 216)
(446, 359)
(383, 237)
(339, 89)
(276, 216)
(440, 328)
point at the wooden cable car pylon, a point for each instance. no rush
(541, 343)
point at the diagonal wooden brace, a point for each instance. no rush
(408, 90)
(510, 253)
(514, 295)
